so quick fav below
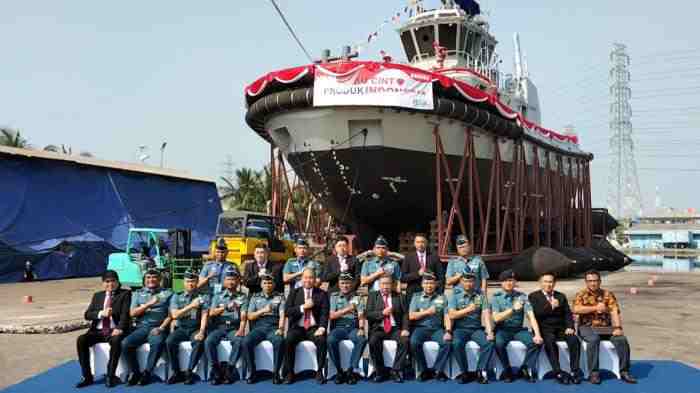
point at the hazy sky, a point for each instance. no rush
(109, 76)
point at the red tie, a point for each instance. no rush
(387, 318)
(307, 313)
(106, 322)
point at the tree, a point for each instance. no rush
(67, 150)
(13, 138)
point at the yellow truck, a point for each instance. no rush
(243, 230)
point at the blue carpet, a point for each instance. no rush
(654, 377)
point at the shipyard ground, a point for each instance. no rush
(661, 321)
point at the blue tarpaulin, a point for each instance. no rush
(66, 217)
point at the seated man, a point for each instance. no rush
(379, 266)
(387, 315)
(189, 311)
(556, 324)
(149, 308)
(346, 316)
(307, 312)
(469, 314)
(228, 319)
(266, 316)
(108, 314)
(599, 319)
(427, 312)
(509, 308)
(294, 267)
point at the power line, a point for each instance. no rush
(291, 31)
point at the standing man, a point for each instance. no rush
(427, 311)
(341, 263)
(347, 317)
(307, 311)
(599, 319)
(109, 318)
(468, 310)
(417, 263)
(266, 316)
(294, 267)
(509, 308)
(387, 315)
(211, 277)
(189, 311)
(254, 269)
(379, 266)
(228, 319)
(149, 308)
(457, 265)
(556, 323)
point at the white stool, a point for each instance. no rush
(161, 369)
(472, 349)
(516, 355)
(345, 347)
(99, 357)
(305, 357)
(607, 358)
(183, 355)
(543, 365)
(388, 353)
(430, 351)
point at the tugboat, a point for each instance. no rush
(444, 143)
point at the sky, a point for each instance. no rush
(106, 77)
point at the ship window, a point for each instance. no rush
(463, 39)
(448, 36)
(408, 46)
(469, 41)
(426, 36)
(476, 46)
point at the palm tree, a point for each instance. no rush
(13, 138)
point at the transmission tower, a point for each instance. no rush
(624, 196)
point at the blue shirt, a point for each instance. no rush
(234, 303)
(295, 265)
(457, 265)
(461, 299)
(350, 320)
(374, 264)
(421, 301)
(218, 268)
(258, 302)
(156, 314)
(193, 317)
(502, 301)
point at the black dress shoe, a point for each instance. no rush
(178, 377)
(320, 378)
(379, 377)
(276, 379)
(252, 379)
(84, 382)
(289, 379)
(627, 377)
(134, 379)
(442, 377)
(562, 378)
(340, 378)
(527, 375)
(396, 376)
(482, 377)
(594, 378)
(576, 377)
(507, 376)
(189, 378)
(462, 379)
(111, 381)
(351, 377)
(422, 377)
(145, 379)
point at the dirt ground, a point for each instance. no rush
(660, 321)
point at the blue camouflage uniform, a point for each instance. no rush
(150, 319)
(264, 328)
(469, 328)
(373, 265)
(457, 265)
(187, 327)
(225, 325)
(296, 265)
(430, 328)
(346, 328)
(513, 329)
(219, 269)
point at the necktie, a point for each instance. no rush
(387, 318)
(307, 313)
(421, 256)
(106, 321)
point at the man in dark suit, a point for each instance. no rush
(307, 311)
(341, 263)
(387, 314)
(108, 314)
(556, 323)
(253, 269)
(417, 263)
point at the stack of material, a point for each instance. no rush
(406, 242)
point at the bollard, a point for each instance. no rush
(28, 299)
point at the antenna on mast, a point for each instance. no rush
(518, 56)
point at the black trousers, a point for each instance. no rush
(550, 337)
(592, 339)
(376, 349)
(92, 337)
(297, 334)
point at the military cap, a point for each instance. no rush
(462, 240)
(110, 274)
(231, 272)
(302, 242)
(190, 274)
(266, 277)
(221, 245)
(428, 275)
(152, 271)
(506, 275)
(381, 241)
(468, 273)
(346, 276)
